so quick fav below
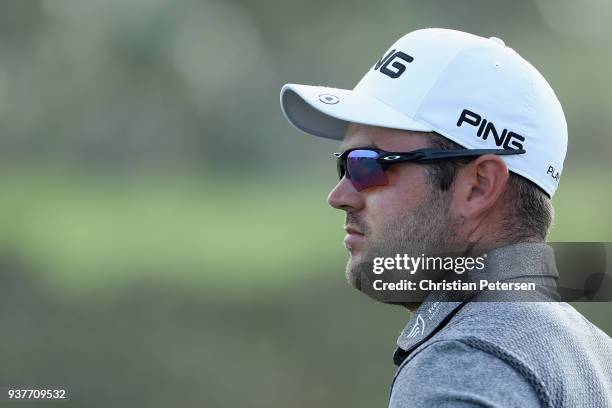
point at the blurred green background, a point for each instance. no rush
(164, 235)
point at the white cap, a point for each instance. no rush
(475, 91)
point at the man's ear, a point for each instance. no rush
(478, 186)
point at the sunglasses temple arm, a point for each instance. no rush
(455, 154)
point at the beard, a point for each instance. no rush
(424, 231)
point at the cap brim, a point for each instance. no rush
(326, 112)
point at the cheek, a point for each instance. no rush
(406, 190)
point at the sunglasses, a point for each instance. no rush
(365, 167)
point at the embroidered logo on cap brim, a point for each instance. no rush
(329, 99)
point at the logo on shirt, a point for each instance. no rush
(418, 328)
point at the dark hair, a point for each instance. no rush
(532, 213)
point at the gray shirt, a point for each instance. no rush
(502, 354)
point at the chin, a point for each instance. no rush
(353, 272)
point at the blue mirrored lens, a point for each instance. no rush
(363, 169)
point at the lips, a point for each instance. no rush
(352, 230)
(354, 238)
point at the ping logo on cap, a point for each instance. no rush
(383, 64)
(506, 139)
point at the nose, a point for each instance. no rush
(345, 197)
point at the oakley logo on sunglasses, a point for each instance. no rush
(392, 58)
(506, 139)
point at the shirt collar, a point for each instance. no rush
(507, 262)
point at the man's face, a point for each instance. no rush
(407, 216)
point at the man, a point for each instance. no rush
(454, 140)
